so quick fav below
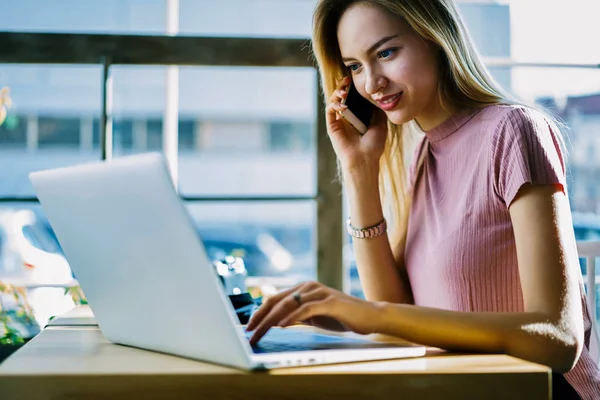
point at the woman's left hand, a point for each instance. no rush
(316, 305)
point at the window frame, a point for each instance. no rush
(110, 50)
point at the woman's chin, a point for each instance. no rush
(398, 117)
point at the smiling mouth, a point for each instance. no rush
(389, 99)
(389, 103)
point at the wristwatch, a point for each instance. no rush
(367, 233)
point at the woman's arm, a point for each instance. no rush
(359, 156)
(382, 279)
(550, 331)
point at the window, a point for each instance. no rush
(2, 240)
(276, 239)
(291, 137)
(107, 16)
(58, 132)
(51, 122)
(255, 139)
(13, 132)
(123, 134)
(187, 135)
(242, 18)
(155, 134)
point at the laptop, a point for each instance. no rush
(137, 255)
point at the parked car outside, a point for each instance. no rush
(31, 257)
(262, 253)
(29, 251)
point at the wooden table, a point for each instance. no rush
(78, 316)
(75, 361)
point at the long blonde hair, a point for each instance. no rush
(464, 82)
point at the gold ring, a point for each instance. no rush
(298, 297)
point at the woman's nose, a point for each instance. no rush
(375, 82)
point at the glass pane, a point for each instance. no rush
(275, 18)
(584, 267)
(557, 36)
(275, 239)
(240, 134)
(255, 18)
(54, 114)
(107, 16)
(139, 98)
(490, 27)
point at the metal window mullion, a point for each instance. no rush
(55, 48)
(330, 268)
(591, 285)
(106, 121)
(32, 134)
(508, 62)
(171, 112)
(248, 198)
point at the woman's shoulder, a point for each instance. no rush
(506, 121)
(512, 116)
(526, 147)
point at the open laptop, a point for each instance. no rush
(141, 264)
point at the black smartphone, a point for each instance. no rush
(359, 111)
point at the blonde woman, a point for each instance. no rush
(471, 248)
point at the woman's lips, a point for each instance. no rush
(389, 102)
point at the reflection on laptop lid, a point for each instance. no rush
(138, 258)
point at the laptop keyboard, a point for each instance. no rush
(275, 347)
(282, 340)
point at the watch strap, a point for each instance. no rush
(366, 233)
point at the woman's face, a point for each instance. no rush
(391, 65)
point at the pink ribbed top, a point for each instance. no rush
(460, 249)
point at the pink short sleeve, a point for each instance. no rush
(525, 150)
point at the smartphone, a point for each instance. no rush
(359, 111)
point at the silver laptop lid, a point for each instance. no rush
(137, 256)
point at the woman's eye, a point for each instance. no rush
(386, 53)
(353, 67)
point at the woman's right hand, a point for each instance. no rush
(353, 149)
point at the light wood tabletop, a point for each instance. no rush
(78, 316)
(77, 362)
